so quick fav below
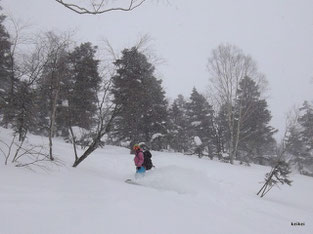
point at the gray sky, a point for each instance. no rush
(278, 34)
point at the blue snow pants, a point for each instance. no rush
(141, 170)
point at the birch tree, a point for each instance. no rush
(53, 50)
(227, 66)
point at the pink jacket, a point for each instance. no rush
(138, 158)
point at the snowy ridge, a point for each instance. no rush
(182, 195)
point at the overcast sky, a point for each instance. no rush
(278, 34)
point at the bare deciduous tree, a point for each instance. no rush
(100, 6)
(51, 49)
(6, 153)
(106, 114)
(227, 66)
(25, 155)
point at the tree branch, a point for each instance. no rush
(101, 8)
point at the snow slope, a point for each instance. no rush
(183, 195)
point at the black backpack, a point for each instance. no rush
(147, 163)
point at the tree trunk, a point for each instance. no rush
(90, 149)
(53, 113)
(231, 129)
(74, 143)
(238, 131)
(18, 150)
(51, 129)
(101, 132)
(266, 182)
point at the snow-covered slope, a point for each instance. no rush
(183, 195)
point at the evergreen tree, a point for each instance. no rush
(24, 116)
(143, 108)
(6, 83)
(306, 121)
(254, 134)
(178, 125)
(200, 117)
(295, 146)
(78, 94)
(299, 143)
(278, 175)
(42, 107)
(222, 137)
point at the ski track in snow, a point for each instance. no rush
(182, 195)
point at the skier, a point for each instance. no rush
(139, 159)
